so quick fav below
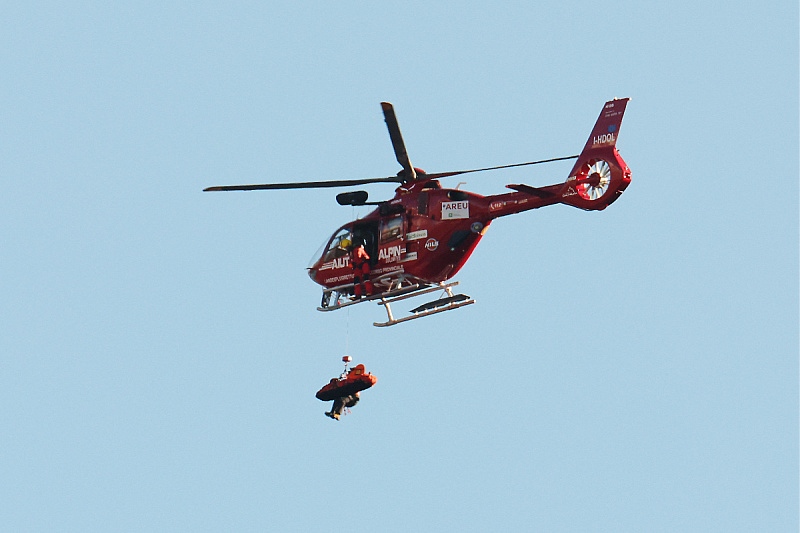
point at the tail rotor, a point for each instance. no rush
(600, 174)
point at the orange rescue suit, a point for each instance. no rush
(360, 261)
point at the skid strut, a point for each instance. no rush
(336, 297)
(452, 301)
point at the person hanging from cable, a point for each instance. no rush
(359, 259)
(345, 390)
(339, 405)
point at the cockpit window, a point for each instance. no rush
(335, 248)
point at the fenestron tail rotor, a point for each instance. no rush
(595, 176)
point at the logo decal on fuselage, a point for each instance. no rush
(340, 262)
(454, 210)
(431, 245)
(391, 254)
(416, 235)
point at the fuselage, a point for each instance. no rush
(426, 232)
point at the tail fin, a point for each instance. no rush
(607, 126)
(600, 174)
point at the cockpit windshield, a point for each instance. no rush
(333, 248)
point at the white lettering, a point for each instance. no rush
(602, 139)
(339, 262)
(391, 254)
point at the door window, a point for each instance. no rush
(391, 229)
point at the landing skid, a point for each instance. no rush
(401, 288)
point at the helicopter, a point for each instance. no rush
(420, 239)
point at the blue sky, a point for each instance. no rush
(634, 369)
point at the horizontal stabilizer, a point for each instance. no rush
(539, 193)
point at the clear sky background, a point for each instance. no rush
(634, 369)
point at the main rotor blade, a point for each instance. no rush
(304, 184)
(397, 140)
(457, 172)
(350, 183)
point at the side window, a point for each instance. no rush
(335, 248)
(391, 229)
(422, 206)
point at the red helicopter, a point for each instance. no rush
(421, 238)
